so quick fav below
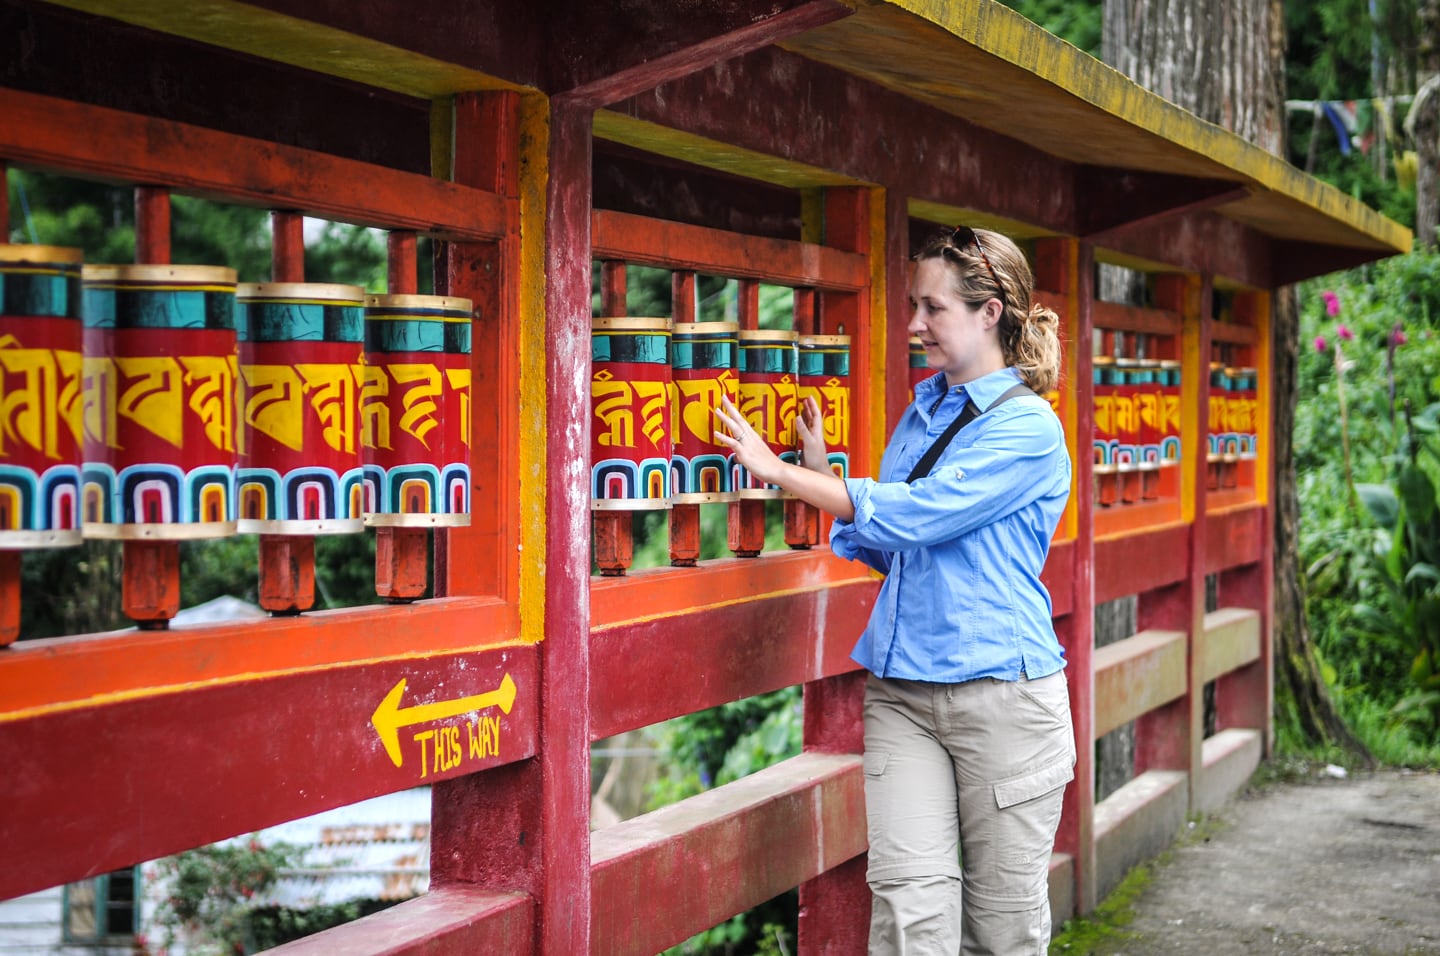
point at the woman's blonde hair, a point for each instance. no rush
(987, 265)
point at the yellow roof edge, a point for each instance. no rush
(1001, 32)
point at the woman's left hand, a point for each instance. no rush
(750, 449)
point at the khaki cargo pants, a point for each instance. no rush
(974, 770)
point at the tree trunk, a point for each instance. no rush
(1224, 60)
(1425, 123)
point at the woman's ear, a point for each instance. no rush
(993, 311)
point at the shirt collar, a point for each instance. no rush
(982, 391)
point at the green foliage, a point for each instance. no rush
(1075, 21)
(1370, 561)
(1105, 928)
(209, 890)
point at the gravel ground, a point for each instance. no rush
(1324, 866)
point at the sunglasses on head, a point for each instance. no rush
(962, 237)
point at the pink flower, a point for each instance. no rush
(1344, 332)
(1320, 343)
(1332, 303)
(1397, 336)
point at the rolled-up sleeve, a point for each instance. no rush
(1011, 463)
(842, 533)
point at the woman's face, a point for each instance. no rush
(959, 338)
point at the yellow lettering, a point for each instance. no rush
(332, 390)
(28, 398)
(212, 381)
(374, 413)
(421, 738)
(459, 379)
(99, 400)
(71, 392)
(418, 419)
(614, 401)
(1105, 414)
(151, 395)
(272, 403)
(1151, 409)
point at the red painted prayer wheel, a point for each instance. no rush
(40, 379)
(703, 361)
(630, 433)
(415, 411)
(769, 389)
(160, 372)
(1169, 380)
(824, 365)
(1106, 438)
(301, 368)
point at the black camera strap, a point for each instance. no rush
(967, 415)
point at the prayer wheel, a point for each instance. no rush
(1106, 439)
(703, 362)
(160, 369)
(630, 434)
(1127, 428)
(415, 411)
(1219, 407)
(301, 368)
(40, 378)
(824, 364)
(769, 392)
(1169, 377)
(1149, 413)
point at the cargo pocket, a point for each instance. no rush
(1028, 786)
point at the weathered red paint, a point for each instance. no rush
(287, 573)
(1235, 537)
(9, 597)
(805, 807)
(1140, 561)
(45, 131)
(208, 762)
(759, 645)
(453, 920)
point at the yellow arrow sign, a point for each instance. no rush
(389, 717)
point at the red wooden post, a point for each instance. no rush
(525, 826)
(1245, 698)
(402, 563)
(484, 558)
(1065, 266)
(9, 560)
(745, 529)
(150, 581)
(1171, 737)
(684, 518)
(287, 562)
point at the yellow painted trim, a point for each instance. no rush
(1076, 390)
(145, 693)
(1006, 35)
(1264, 395)
(312, 46)
(442, 137)
(879, 322)
(944, 214)
(1194, 384)
(712, 154)
(534, 414)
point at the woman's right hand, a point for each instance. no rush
(810, 426)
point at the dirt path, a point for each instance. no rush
(1321, 867)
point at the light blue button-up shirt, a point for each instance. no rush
(962, 548)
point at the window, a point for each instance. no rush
(102, 908)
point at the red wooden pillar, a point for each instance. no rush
(835, 906)
(1170, 737)
(525, 826)
(746, 525)
(9, 560)
(684, 518)
(401, 559)
(614, 530)
(150, 582)
(1245, 697)
(483, 558)
(287, 562)
(1066, 266)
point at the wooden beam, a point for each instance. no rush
(1117, 200)
(453, 920)
(75, 138)
(673, 245)
(638, 678)
(103, 786)
(698, 862)
(1136, 675)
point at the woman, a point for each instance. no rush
(968, 741)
